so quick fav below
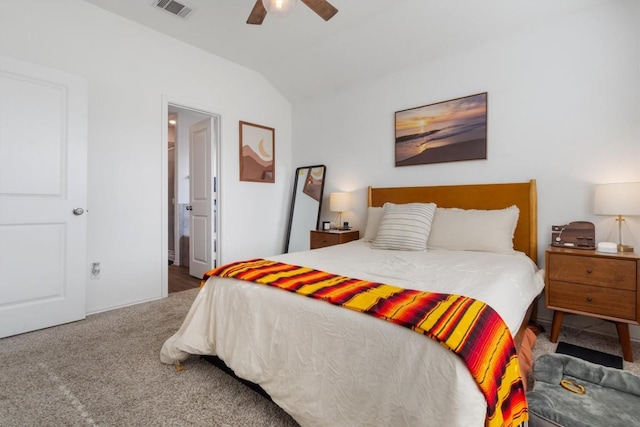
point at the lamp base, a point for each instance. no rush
(624, 248)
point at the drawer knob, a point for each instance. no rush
(589, 270)
(589, 299)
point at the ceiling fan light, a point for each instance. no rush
(279, 8)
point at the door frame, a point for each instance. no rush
(216, 139)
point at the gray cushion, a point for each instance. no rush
(612, 396)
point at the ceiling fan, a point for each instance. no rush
(322, 7)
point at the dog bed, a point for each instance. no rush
(611, 397)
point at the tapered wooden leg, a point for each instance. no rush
(625, 340)
(558, 316)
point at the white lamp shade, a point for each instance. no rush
(617, 199)
(339, 202)
(279, 8)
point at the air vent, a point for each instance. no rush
(173, 7)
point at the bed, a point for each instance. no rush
(327, 366)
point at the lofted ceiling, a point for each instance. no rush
(303, 56)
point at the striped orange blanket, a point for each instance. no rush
(469, 328)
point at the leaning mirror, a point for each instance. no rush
(306, 202)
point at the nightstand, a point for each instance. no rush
(322, 239)
(594, 284)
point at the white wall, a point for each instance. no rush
(129, 69)
(564, 108)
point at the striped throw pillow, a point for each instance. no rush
(405, 227)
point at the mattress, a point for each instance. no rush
(327, 366)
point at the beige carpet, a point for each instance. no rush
(106, 371)
(584, 338)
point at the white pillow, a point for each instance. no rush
(374, 216)
(474, 230)
(405, 227)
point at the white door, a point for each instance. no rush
(201, 199)
(43, 170)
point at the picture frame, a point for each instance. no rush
(257, 153)
(447, 131)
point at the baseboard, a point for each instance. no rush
(128, 304)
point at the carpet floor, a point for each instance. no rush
(585, 338)
(106, 371)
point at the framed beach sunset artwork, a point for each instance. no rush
(448, 131)
(257, 153)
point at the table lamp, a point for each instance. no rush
(339, 202)
(619, 199)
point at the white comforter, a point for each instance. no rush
(329, 366)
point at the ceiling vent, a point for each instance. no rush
(173, 7)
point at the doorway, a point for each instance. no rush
(187, 182)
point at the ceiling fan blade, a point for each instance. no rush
(322, 8)
(257, 14)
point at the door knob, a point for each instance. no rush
(78, 211)
(189, 207)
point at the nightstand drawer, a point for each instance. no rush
(611, 273)
(593, 299)
(322, 239)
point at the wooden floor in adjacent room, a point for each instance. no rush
(180, 280)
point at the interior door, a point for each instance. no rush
(43, 170)
(201, 199)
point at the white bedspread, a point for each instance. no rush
(328, 366)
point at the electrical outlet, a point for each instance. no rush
(95, 270)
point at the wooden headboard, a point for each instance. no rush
(476, 196)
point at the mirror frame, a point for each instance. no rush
(293, 201)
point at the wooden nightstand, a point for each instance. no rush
(322, 239)
(594, 284)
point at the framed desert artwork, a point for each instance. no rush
(447, 131)
(257, 153)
